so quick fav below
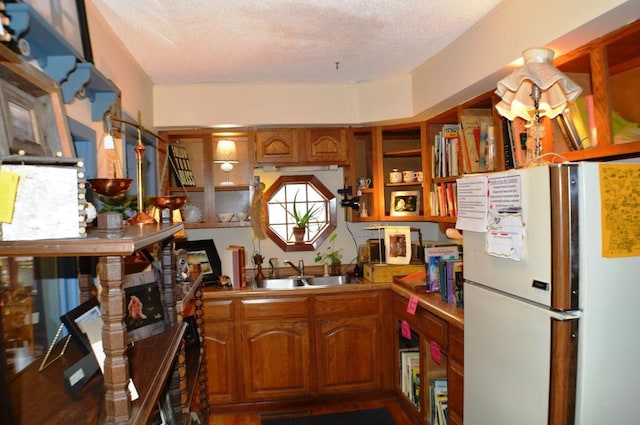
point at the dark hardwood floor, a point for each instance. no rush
(396, 408)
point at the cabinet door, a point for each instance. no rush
(276, 360)
(349, 355)
(326, 146)
(222, 379)
(277, 146)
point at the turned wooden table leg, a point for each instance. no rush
(114, 335)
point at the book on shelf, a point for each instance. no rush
(448, 268)
(432, 256)
(438, 400)
(474, 123)
(410, 375)
(507, 137)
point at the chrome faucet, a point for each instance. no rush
(299, 269)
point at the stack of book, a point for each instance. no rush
(410, 375)
(438, 401)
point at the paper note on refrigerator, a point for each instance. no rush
(505, 237)
(472, 204)
(620, 205)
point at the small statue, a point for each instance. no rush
(257, 260)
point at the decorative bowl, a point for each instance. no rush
(169, 202)
(225, 217)
(110, 187)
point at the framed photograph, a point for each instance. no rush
(203, 257)
(397, 241)
(76, 319)
(405, 203)
(144, 311)
(69, 19)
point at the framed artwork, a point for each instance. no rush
(203, 257)
(405, 203)
(69, 19)
(32, 117)
(182, 171)
(75, 319)
(397, 242)
(144, 311)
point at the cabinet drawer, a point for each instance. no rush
(264, 308)
(400, 309)
(359, 304)
(218, 310)
(435, 328)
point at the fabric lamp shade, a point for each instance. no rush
(226, 152)
(555, 87)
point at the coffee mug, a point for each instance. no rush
(419, 176)
(363, 182)
(408, 176)
(395, 176)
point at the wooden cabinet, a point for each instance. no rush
(440, 344)
(275, 359)
(608, 70)
(149, 362)
(298, 146)
(211, 195)
(220, 341)
(293, 347)
(348, 342)
(403, 149)
(275, 348)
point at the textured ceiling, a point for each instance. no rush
(259, 41)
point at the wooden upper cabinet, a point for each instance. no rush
(326, 145)
(277, 146)
(299, 146)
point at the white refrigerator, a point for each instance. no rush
(552, 316)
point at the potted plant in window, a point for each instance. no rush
(301, 220)
(331, 258)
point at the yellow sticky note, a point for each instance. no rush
(8, 190)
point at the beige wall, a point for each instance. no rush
(470, 66)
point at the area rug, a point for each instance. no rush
(358, 417)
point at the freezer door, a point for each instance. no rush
(508, 362)
(529, 278)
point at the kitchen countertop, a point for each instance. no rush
(429, 301)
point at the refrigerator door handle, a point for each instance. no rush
(563, 316)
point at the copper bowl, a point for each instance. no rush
(169, 202)
(110, 187)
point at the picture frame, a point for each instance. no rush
(397, 242)
(69, 19)
(32, 114)
(405, 203)
(73, 319)
(203, 257)
(145, 313)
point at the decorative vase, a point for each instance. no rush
(298, 234)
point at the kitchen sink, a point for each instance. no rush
(304, 282)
